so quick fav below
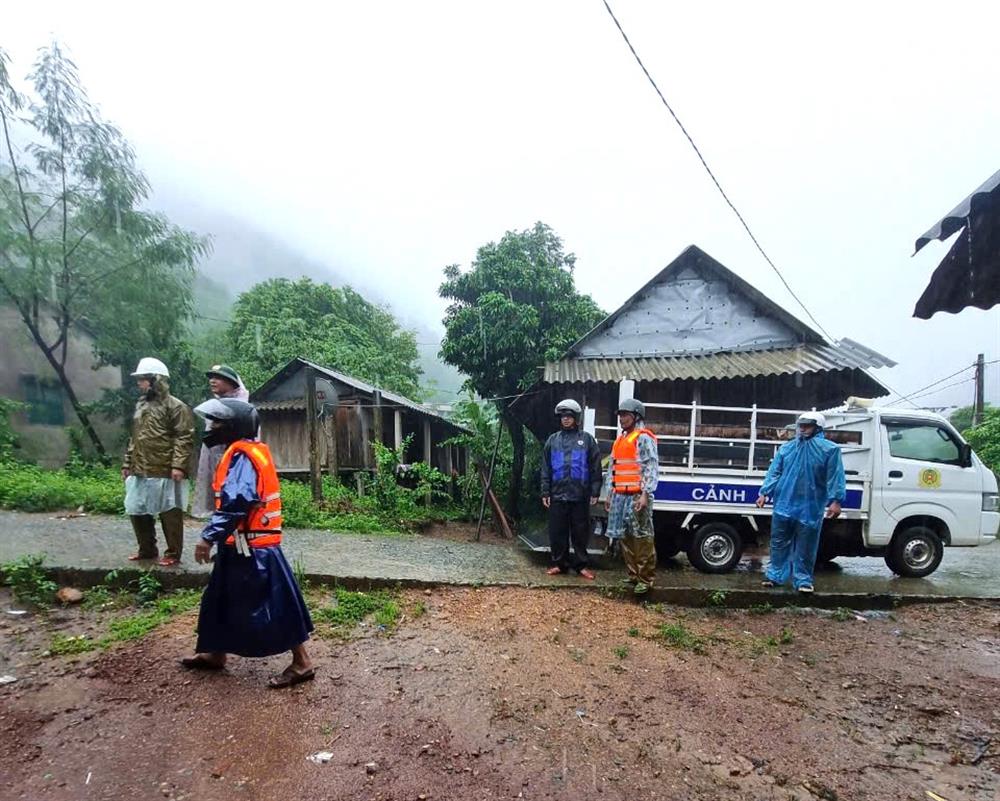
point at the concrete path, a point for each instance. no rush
(84, 549)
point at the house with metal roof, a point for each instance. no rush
(351, 414)
(698, 333)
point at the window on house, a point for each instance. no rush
(44, 398)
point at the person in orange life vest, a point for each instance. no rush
(252, 605)
(633, 473)
(571, 484)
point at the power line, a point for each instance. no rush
(711, 175)
(921, 391)
(949, 386)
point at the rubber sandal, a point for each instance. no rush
(587, 574)
(168, 561)
(289, 678)
(768, 583)
(199, 662)
(140, 558)
(641, 588)
(553, 571)
(806, 589)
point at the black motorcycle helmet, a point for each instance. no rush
(230, 420)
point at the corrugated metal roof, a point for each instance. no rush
(812, 357)
(388, 398)
(298, 404)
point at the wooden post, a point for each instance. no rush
(398, 437)
(427, 452)
(377, 417)
(332, 456)
(312, 424)
(366, 446)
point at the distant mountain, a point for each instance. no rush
(244, 255)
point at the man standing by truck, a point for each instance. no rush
(806, 482)
(571, 484)
(634, 472)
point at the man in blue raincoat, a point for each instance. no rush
(806, 483)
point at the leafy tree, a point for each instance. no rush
(517, 306)
(279, 319)
(985, 438)
(961, 418)
(76, 248)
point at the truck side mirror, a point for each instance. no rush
(966, 455)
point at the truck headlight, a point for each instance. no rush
(991, 502)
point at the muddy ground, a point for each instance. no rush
(535, 694)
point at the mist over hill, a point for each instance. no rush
(243, 255)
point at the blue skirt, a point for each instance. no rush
(252, 605)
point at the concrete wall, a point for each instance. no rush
(49, 444)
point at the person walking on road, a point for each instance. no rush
(252, 605)
(156, 464)
(806, 482)
(223, 382)
(571, 484)
(634, 473)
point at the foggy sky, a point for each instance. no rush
(389, 139)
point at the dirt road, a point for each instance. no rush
(501, 693)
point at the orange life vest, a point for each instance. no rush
(626, 470)
(262, 525)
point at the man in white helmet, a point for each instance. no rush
(571, 484)
(156, 464)
(806, 483)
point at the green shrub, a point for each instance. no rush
(27, 579)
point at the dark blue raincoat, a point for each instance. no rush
(252, 605)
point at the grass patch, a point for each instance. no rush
(128, 627)
(135, 627)
(63, 645)
(679, 636)
(842, 614)
(621, 651)
(761, 609)
(633, 632)
(349, 608)
(717, 599)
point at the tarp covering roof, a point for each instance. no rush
(810, 357)
(954, 220)
(969, 275)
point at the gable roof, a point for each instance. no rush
(259, 395)
(694, 259)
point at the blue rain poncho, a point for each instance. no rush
(806, 476)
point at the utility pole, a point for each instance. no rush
(977, 414)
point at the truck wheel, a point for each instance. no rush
(915, 552)
(667, 545)
(715, 547)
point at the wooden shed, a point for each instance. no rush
(351, 414)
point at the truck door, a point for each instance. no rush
(922, 473)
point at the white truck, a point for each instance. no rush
(914, 485)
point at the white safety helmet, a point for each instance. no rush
(150, 366)
(812, 418)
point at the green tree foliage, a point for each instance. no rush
(77, 250)
(961, 418)
(279, 319)
(514, 308)
(985, 438)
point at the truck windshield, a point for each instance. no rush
(926, 442)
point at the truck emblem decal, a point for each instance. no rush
(930, 478)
